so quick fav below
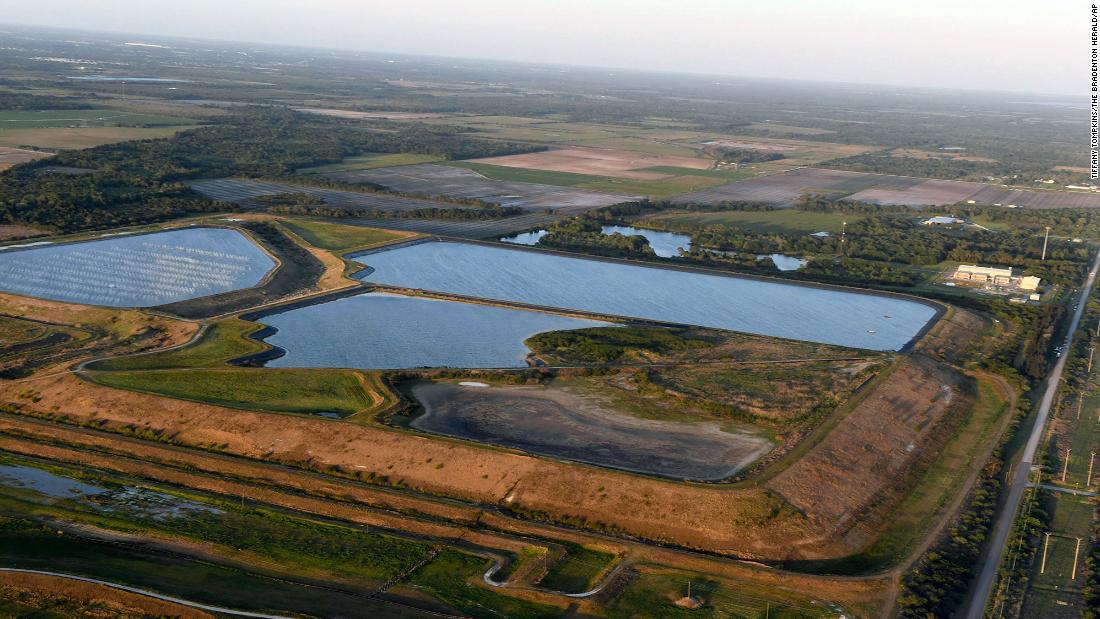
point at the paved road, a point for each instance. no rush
(152, 594)
(1003, 525)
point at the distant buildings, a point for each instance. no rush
(995, 277)
(941, 220)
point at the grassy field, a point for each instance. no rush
(87, 118)
(652, 594)
(943, 480)
(786, 221)
(1055, 592)
(286, 545)
(26, 544)
(660, 188)
(578, 571)
(222, 341)
(371, 161)
(342, 237)
(79, 137)
(343, 392)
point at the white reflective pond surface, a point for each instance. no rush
(141, 270)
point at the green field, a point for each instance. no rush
(781, 221)
(342, 237)
(659, 188)
(287, 546)
(309, 391)
(371, 161)
(652, 595)
(579, 571)
(86, 118)
(222, 341)
(727, 175)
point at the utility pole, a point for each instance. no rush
(1065, 467)
(1092, 351)
(1080, 403)
(844, 239)
(1043, 564)
(1092, 458)
(1073, 574)
(1045, 239)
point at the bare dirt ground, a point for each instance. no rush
(565, 425)
(13, 156)
(47, 592)
(12, 232)
(598, 162)
(874, 448)
(929, 192)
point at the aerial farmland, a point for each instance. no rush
(317, 334)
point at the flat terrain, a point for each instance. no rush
(51, 138)
(340, 237)
(599, 162)
(371, 161)
(561, 424)
(243, 192)
(432, 180)
(12, 156)
(785, 188)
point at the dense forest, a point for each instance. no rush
(1015, 172)
(142, 181)
(18, 101)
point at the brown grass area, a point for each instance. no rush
(745, 521)
(47, 592)
(108, 331)
(55, 138)
(916, 153)
(12, 232)
(14, 156)
(954, 336)
(598, 162)
(310, 492)
(869, 455)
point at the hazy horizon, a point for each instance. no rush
(973, 47)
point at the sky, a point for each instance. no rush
(1038, 46)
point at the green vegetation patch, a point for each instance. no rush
(371, 161)
(526, 175)
(578, 571)
(782, 221)
(343, 392)
(222, 341)
(341, 237)
(607, 344)
(22, 119)
(26, 544)
(728, 175)
(450, 577)
(656, 595)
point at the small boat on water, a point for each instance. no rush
(871, 331)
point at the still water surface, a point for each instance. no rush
(778, 309)
(384, 331)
